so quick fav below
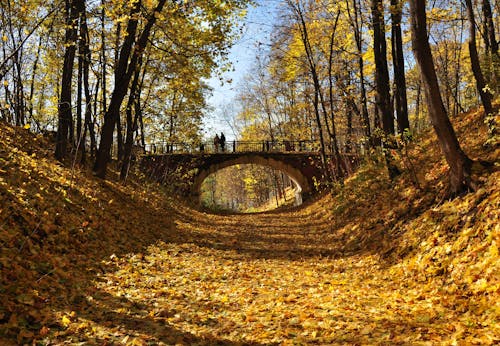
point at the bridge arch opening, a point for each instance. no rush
(248, 187)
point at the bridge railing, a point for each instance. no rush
(233, 147)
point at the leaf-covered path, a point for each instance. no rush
(278, 278)
(87, 262)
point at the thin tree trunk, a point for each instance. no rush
(121, 85)
(333, 134)
(382, 88)
(32, 84)
(18, 104)
(19, 107)
(125, 69)
(131, 123)
(348, 140)
(357, 26)
(119, 130)
(318, 95)
(65, 117)
(382, 96)
(92, 122)
(475, 64)
(317, 87)
(86, 56)
(79, 92)
(399, 67)
(104, 101)
(458, 53)
(490, 35)
(417, 107)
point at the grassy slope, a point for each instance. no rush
(59, 229)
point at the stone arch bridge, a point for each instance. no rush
(186, 167)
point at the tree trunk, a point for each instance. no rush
(119, 139)
(458, 161)
(102, 57)
(475, 64)
(333, 133)
(19, 109)
(17, 76)
(358, 28)
(125, 69)
(119, 130)
(79, 92)
(491, 46)
(86, 56)
(458, 53)
(131, 123)
(312, 69)
(121, 85)
(65, 117)
(382, 89)
(399, 67)
(417, 106)
(32, 84)
(490, 36)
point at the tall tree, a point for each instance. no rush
(382, 88)
(383, 102)
(132, 113)
(130, 53)
(484, 93)
(65, 116)
(357, 25)
(399, 66)
(84, 60)
(491, 44)
(321, 109)
(460, 164)
(489, 28)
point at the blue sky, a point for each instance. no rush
(258, 24)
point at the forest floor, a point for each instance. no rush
(91, 262)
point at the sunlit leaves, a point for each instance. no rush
(188, 44)
(86, 261)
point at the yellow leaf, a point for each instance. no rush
(27, 126)
(65, 321)
(493, 250)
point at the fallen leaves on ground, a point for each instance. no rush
(90, 262)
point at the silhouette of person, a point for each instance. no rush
(216, 143)
(222, 141)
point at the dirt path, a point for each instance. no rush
(282, 278)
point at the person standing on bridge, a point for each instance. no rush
(222, 141)
(216, 143)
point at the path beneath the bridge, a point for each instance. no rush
(279, 278)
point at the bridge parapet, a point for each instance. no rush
(277, 146)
